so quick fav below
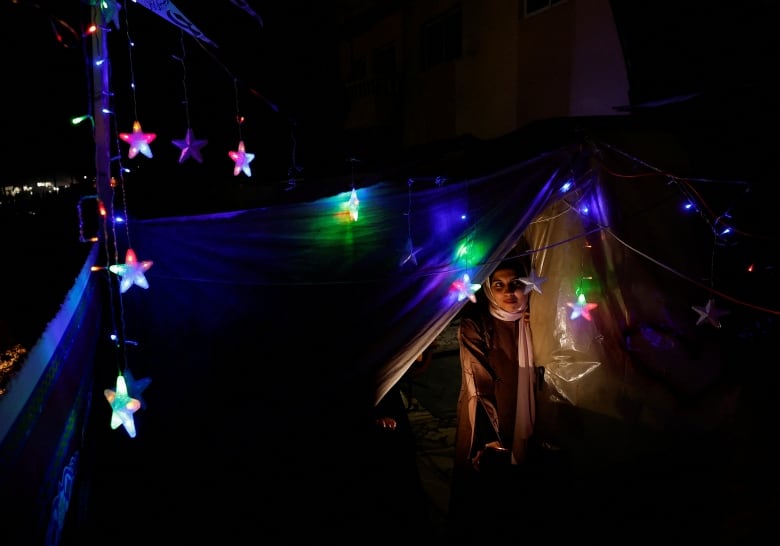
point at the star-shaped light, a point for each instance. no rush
(353, 205)
(131, 272)
(411, 253)
(190, 147)
(123, 406)
(581, 308)
(465, 288)
(242, 160)
(138, 141)
(709, 314)
(136, 387)
(532, 282)
(109, 9)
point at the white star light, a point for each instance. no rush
(533, 282)
(242, 160)
(190, 147)
(123, 406)
(138, 140)
(709, 314)
(131, 272)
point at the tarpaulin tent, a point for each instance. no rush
(270, 333)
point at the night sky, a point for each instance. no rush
(271, 69)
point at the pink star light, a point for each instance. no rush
(138, 140)
(242, 160)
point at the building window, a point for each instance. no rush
(384, 61)
(442, 38)
(358, 69)
(530, 7)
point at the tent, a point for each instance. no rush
(267, 334)
(270, 333)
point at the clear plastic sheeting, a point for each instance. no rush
(629, 356)
(566, 369)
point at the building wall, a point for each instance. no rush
(372, 96)
(560, 62)
(486, 87)
(599, 77)
(544, 67)
(570, 63)
(472, 95)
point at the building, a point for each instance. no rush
(421, 72)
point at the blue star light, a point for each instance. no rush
(190, 147)
(136, 387)
(411, 253)
(109, 9)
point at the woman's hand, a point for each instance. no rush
(494, 452)
(388, 423)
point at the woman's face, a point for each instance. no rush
(509, 290)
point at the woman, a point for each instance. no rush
(496, 404)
